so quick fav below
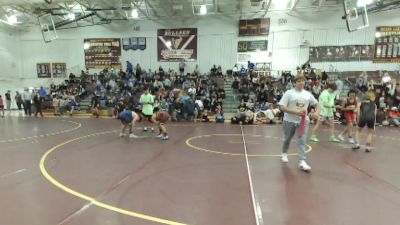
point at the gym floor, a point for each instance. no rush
(79, 171)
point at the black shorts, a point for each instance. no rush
(148, 117)
(370, 123)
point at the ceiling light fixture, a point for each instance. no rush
(203, 9)
(86, 45)
(135, 13)
(281, 4)
(361, 3)
(71, 16)
(12, 19)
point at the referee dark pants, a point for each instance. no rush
(27, 107)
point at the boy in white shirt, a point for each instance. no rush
(294, 104)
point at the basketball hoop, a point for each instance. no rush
(48, 28)
(356, 16)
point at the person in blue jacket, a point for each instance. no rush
(128, 118)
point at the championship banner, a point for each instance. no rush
(176, 45)
(102, 53)
(341, 53)
(252, 46)
(43, 70)
(59, 70)
(387, 45)
(134, 43)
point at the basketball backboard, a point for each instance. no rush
(355, 14)
(47, 27)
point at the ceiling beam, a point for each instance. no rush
(294, 4)
(321, 2)
(148, 5)
(215, 3)
(266, 6)
(241, 8)
(384, 6)
(66, 22)
(147, 9)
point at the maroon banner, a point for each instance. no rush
(59, 70)
(102, 53)
(43, 70)
(341, 53)
(177, 45)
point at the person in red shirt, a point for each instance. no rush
(349, 107)
(1, 106)
(394, 117)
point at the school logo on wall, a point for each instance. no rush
(134, 43)
(176, 45)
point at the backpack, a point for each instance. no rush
(219, 118)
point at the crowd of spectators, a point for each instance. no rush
(186, 96)
(194, 96)
(385, 92)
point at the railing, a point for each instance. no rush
(352, 85)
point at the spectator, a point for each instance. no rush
(316, 90)
(95, 104)
(182, 66)
(235, 70)
(196, 70)
(53, 88)
(213, 70)
(339, 85)
(1, 106)
(56, 103)
(18, 100)
(394, 117)
(362, 81)
(219, 71)
(189, 110)
(167, 83)
(37, 100)
(243, 72)
(27, 97)
(8, 100)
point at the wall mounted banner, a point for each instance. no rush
(51, 70)
(175, 45)
(43, 70)
(59, 70)
(252, 46)
(103, 53)
(387, 45)
(341, 53)
(254, 27)
(134, 43)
